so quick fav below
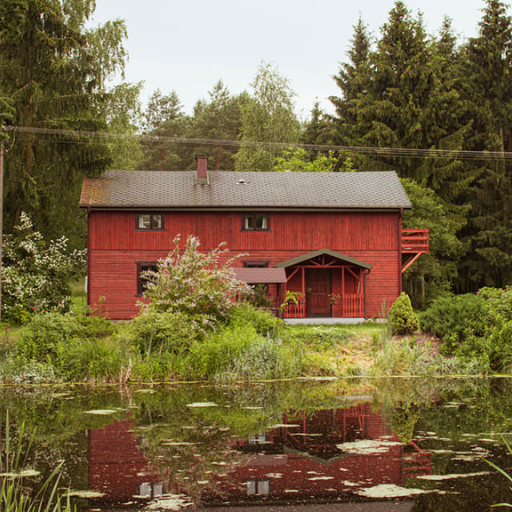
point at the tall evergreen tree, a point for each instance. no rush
(163, 120)
(486, 78)
(53, 76)
(219, 119)
(396, 95)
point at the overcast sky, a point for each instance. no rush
(189, 45)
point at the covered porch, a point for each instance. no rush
(324, 284)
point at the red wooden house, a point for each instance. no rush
(335, 238)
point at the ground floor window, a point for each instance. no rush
(255, 487)
(142, 280)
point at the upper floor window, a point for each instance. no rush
(256, 222)
(149, 221)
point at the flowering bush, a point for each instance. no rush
(36, 273)
(194, 283)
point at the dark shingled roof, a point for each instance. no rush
(178, 189)
(260, 275)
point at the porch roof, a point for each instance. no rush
(321, 252)
(261, 275)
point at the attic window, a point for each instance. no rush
(255, 222)
(149, 221)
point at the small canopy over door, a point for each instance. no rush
(325, 283)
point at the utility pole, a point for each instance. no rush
(1, 214)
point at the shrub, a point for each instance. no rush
(153, 332)
(264, 323)
(453, 318)
(403, 318)
(48, 337)
(215, 354)
(36, 273)
(96, 360)
(193, 283)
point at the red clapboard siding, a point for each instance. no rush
(289, 231)
(116, 246)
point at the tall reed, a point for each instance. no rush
(13, 492)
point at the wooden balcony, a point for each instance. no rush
(415, 242)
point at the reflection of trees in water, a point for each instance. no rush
(206, 465)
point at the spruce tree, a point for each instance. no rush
(486, 78)
(219, 120)
(163, 121)
(53, 76)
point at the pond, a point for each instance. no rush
(344, 445)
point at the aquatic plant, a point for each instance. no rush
(14, 496)
(503, 472)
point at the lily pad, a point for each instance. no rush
(101, 412)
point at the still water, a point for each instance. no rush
(347, 446)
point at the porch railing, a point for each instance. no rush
(352, 306)
(298, 310)
(349, 306)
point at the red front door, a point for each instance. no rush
(318, 291)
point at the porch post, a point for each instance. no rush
(304, 288)
(343, 299)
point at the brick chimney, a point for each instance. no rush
(202, 177)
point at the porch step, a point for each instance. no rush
(323, 321)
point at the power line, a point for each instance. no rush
(374, 151)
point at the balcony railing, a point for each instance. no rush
(415, 241)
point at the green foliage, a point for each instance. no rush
(267, 116)
(258, 298)
(435, 273)
(290, 297)
(453, 319)
(54, 75)
(218, 119)
(96, 360)
(36, 273)
(474, 326)
(164, 119)
(194, 283)
(14, 461)
(158, 332)
(263, 322)
(297, 160)
(402, 317)
(54, 338)
(237, 352)
(484, 76)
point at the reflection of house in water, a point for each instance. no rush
(117, 466)
(322, 455)
(326, 454)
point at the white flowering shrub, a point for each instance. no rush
(36, 273)
(195, 283)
